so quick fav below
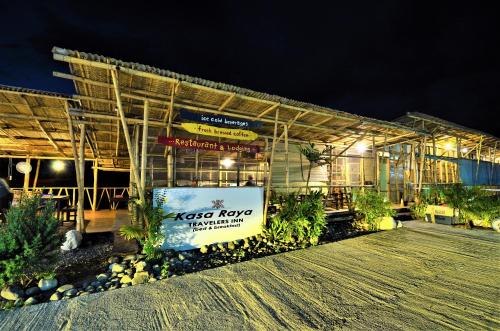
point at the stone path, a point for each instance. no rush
(421, 277)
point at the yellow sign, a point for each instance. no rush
(208, 130)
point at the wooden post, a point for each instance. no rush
(144, 156)
(269, 178)
(35, 181)
(493, 160)
(94, 192)
(81, 185)
(457, 172)
(421, 172)
(133, 160)
(330, 178)
(414, 166)
(374, 165)
(478, 156)
(27, 176)
(287, 166)
(435, 159)
(79, 214)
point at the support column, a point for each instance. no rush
(374, 165)
(287, 166)
(269, 179)
(457, 173)
(81, 185)
(94, 192)
(133, 160)
(27, 176)
(144, 156)
(421, 172)
(80, 213)
(435, 158)
(35, 181)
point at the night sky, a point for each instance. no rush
(374, 58)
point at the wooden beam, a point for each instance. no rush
(268, 110)
(133, 160)
(81, 184)
(35, 181)
(94, 191)
(226, 102)
(144, 147)
(269, 177)
(27, 176)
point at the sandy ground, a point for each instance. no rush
(421, 277)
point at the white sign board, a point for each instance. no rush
(205, 216)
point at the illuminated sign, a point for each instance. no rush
(219, 120)
(207, 145)
(208, 130)
(204, 216)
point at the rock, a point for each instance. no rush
(30, 301)
(399, 225)
(85, 284)
(95, 284)
(71, 292)
(152, 280)
(12, 293)
(186, 262)
(83, 294)
(495, 224)
(129, 271)
(72, 241)
(230, 245)
(114, 274)
(203, 249)
(387, 223)
(102, 278)
(156, 269)
(19, 302)
(47, 284)
(214, 248)
(169, 253)
(64, 288)
(90, 289)
(113, 259)
(140, 278)
(181, 257)
(120, 275)
(32, 291)
(117, 267)
(56, 296)
(140, 257)
(130, 258)
(140, 266)
(126, 279)
(221, 247)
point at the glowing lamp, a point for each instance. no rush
(227, 162)
(465, 150)
(448, 147)
(58, 166)
(361, 148)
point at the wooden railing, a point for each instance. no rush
(72, 192)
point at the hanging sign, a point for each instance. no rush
(207, 145)
(218, 120)
(204, 216)
(208, 130)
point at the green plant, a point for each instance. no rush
(165, 269)
(481, 206)
(27, 240)
(314, 156)
(371, 207)
(150, 236)
(298, 220)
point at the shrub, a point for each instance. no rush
(371, 206)
(298, 220)
(150, 236)
(31, 233)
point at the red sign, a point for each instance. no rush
(207, 145)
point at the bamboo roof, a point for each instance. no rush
(446, 132)
(165, 89)
(33, 123)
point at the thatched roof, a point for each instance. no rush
(163, 89)
(33, 123)
(447, 132)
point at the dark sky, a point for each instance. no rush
(374, 58)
